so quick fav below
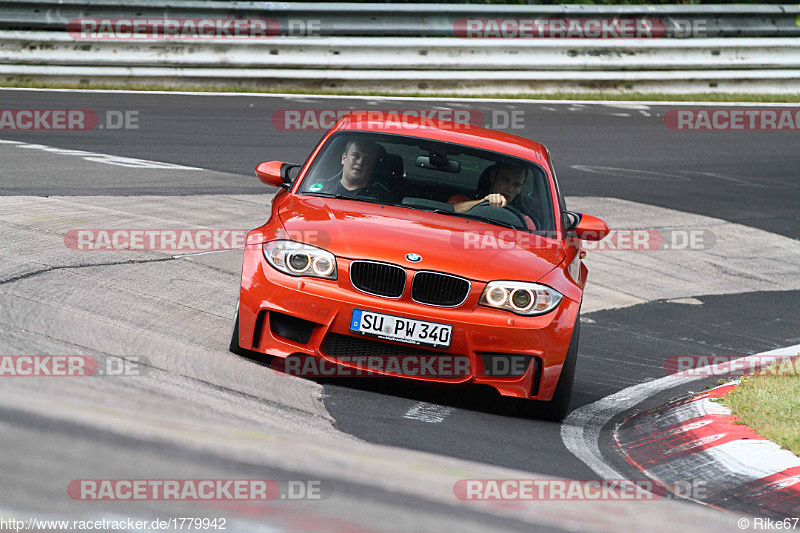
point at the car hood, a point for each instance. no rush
(468, 248)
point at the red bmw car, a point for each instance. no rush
(428, 250)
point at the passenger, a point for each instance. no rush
(358, 163)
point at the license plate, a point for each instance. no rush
(396, 328)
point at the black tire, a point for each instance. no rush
(558, 407)
(238, 350)
(234, 346)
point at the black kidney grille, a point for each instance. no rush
(379, 279)
(439, 289)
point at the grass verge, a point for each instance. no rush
(655, 97)
(770, 405)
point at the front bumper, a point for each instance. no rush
(286, 316)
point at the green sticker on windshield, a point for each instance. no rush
(314, 187)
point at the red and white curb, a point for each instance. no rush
(746, 475)
(729, 465)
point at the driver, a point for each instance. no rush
(358, 162)
(505, 183)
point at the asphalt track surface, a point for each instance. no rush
(745, 177)
(621, 151)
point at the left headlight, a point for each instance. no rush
(520, 297)
(298, 259)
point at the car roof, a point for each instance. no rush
(412, 125)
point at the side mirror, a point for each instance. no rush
(589, 228)
(275, 173)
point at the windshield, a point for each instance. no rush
(434, 176)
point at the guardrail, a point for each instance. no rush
(418, 20)
(405, 53)
(439, 63)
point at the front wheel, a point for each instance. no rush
(558, 407)
(234, 345)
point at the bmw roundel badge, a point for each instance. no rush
(414, 258)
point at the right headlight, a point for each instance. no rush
(520, 297)
(298, 259)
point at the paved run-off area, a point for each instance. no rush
(177, 311)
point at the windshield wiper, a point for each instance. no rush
(347, 197)
(462, 215)
(478, 217)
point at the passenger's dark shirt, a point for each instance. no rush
(372, 191)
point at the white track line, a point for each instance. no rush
(96, 157)
(428, 412)
(581, 429)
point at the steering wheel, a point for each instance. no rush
(514, 210)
